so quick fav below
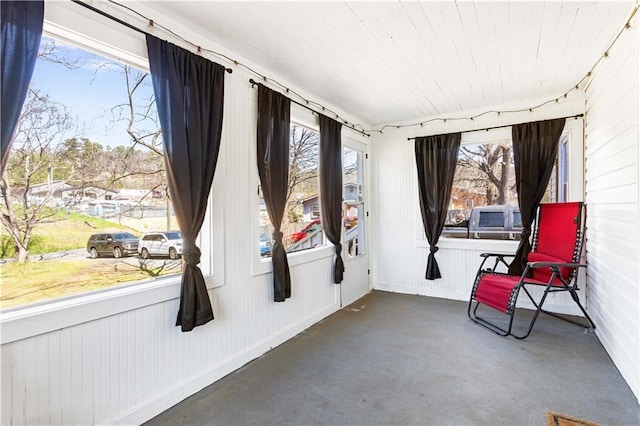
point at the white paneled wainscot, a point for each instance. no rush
(611, 175)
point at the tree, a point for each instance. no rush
(43, 153)
(38, 157)
(37, 150)
(139, 114)
(303, 169)
(486, 167)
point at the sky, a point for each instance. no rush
(89, 91)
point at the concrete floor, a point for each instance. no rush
(411, 360)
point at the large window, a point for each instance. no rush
(484, 202)
(301, 225)
(86, 179)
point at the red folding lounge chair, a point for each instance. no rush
(553, 263)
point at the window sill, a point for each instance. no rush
(31, 320)
(264, 266)
(506, 246)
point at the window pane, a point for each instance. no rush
(353, 181)
(485, 176)
(90, 143)
(563, 168)
(301, 225)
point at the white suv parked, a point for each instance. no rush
(166, 243)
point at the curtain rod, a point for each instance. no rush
(362, 132)
(126, 24)
(500, 127)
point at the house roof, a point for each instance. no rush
(63, 186)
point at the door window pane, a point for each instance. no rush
(353, 214)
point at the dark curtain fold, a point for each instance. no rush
(189, 93)
(21, 32)
(436, 158)
(330, 165)
(535, 147)
(274, 113)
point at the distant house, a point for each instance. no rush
(350, 192)
(462, 199)
(61, 193)
(311, 208)
(311, 205)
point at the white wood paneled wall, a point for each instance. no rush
(131, 366)
(126, 367)
(612, 194)
(399, 256)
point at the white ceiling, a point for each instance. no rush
(387, 62)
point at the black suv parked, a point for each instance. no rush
(117, 244)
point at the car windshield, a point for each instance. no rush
(123, 236)
(173, 235)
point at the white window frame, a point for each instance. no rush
(575, 173)
(88, 30)
(259, 265)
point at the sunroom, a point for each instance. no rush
(376, 76)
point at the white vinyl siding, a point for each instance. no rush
(611, 193)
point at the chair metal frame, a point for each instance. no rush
(569, 284)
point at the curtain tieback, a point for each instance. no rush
(190, 253)
(277, 235)
(434, 249)
(526, 233)
(338, 248)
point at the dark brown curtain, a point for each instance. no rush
(535, 147)
(436, 158)
(189, 94)
(274, 112)
(21, 33)
(331, 187)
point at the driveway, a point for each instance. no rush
(135, 261)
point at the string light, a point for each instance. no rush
(588, 75)
(354, 126)
(358, 127)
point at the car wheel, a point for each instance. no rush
(117, 252)
(145, 253)
(173, 254)
(93, 253)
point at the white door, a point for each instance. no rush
(355, 221)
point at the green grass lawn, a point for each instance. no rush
(49, 279)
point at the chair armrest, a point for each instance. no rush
(486, 255)
(556, 264)
(499, 259)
